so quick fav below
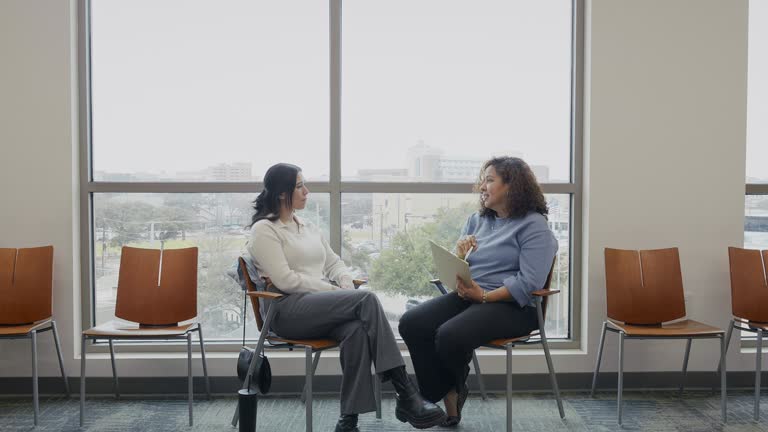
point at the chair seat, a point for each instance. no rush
(129, 330)
(316, 344)
(502, 343)
(675, 329)
(756, 325)
(23, 329)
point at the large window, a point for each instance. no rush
(756, 202)
(390, 108)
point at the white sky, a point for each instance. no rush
(180, 85)
(757, 95)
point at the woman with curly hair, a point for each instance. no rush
(512, 249)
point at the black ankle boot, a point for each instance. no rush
(411, 407)
(347, 423)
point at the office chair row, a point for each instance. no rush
(157, 290)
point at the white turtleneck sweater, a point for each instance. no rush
(296, 257)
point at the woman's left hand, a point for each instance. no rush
(470, 291)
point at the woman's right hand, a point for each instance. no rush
(464, 244)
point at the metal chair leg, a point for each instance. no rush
(190, 389)
(621, 377)
(315, 362)
(82, 380)
(552, 376)
(509, 388)
(35, 395)
(685, 365)
(115, 383)
(377, 394)
(479, 375)
(723, 372)
(758, 366)
(728, 335)
(599, 358)
(254, 360)
(205, 364)
(61, 359)
(308, 387)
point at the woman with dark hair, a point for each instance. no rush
(512, 249)
(300, 263)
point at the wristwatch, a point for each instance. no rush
(484, 294)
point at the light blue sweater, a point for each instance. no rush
(514, 253)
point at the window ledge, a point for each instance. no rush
(299, 353)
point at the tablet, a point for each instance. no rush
(449, 266)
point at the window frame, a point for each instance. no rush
(335, 187)
(748, 341)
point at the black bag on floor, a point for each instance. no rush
(262, 375)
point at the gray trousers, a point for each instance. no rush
(354, 318)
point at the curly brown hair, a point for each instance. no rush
(524, 193)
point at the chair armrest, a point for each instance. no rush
(264, 294)
(358, 282)
(545, 292)
(439, 286)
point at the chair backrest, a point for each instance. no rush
(157, 287)
(545, 299)
(644, 287)
(749, 290)
(26, 284)
(254, 300)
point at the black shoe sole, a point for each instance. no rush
(420, 423)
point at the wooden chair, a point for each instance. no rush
(311, 346)
(26, 283)
(644, 291)
(157, 289)
(749, 303)
(541, 298)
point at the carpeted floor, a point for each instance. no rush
(643, 411)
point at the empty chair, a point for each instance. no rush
(644, 291)
(26, 283)
(311, 346)
(157, 290)
(749, 302)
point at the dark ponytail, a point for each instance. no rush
(279, 179)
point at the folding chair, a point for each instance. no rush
(644, 290)
(157, 289)
(535, 337)
(311, 346)
(749, 303)
(26, 284)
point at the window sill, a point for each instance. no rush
(150, 351)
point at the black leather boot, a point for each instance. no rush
(411, 406)
(347, 423)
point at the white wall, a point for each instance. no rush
(37, 172)
(664, 157)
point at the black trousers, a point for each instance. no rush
(442, 333)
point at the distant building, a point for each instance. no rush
(223, 172)
(458, 169)
(377, 174)
(423, 161)
(237, 171)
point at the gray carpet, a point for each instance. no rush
(643, 411)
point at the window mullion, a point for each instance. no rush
(335, 126)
